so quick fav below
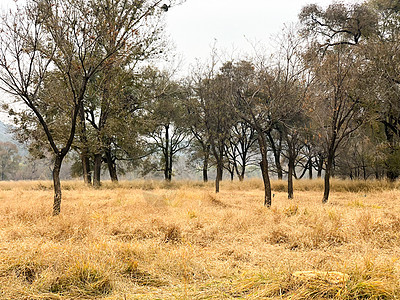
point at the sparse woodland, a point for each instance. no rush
(326, 101)
(324, 104)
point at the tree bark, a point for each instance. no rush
(290, 176)
(328, 171)
(277, 154)
(220, 163)
(205, 163)
(171, 154)
(166, 154)
(57, 184)
(310, 169)
(217, 178)
(84, 148)
(320, 164)
(264, 169)
(112, 167)
(97, 170)
(241, 177)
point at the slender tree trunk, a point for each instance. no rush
(166, 154)
(290, 175)
(264, 169)
(328, 171)
(277, 154)
(232, 173)
(205, 163)
(240, 174)
(310, 168)
(97, 170)
(218, 177)
(57, 184)
(84, 149)
(112, 167)
(220, 163)
(170, 163)
(320, 164)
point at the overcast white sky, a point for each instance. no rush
(196, 25)
(234, 24)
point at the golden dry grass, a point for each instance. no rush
(152, 240)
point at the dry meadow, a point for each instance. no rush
(152, 240)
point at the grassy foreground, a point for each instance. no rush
(151, 240)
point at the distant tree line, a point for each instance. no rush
(325, 103)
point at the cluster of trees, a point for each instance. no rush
(327, 100)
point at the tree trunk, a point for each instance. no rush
(264, 169)
(290, 176)
(310, 168)
(328, 171)
(220, 163)
(320, 164)
(205, 164)
(166, 154)
(97, 170)
(277, 154)
(87, 178)
(241, 177)
(112, 167)
(57, 185)
(84, 149)
(170, 163)
(219, 176)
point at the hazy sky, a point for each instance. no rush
(233, 24)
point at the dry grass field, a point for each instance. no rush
(152, 240)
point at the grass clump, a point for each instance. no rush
(82, 280)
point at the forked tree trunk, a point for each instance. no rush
(241, 177)
(264, 170)
(57, 185)
(240, 174)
